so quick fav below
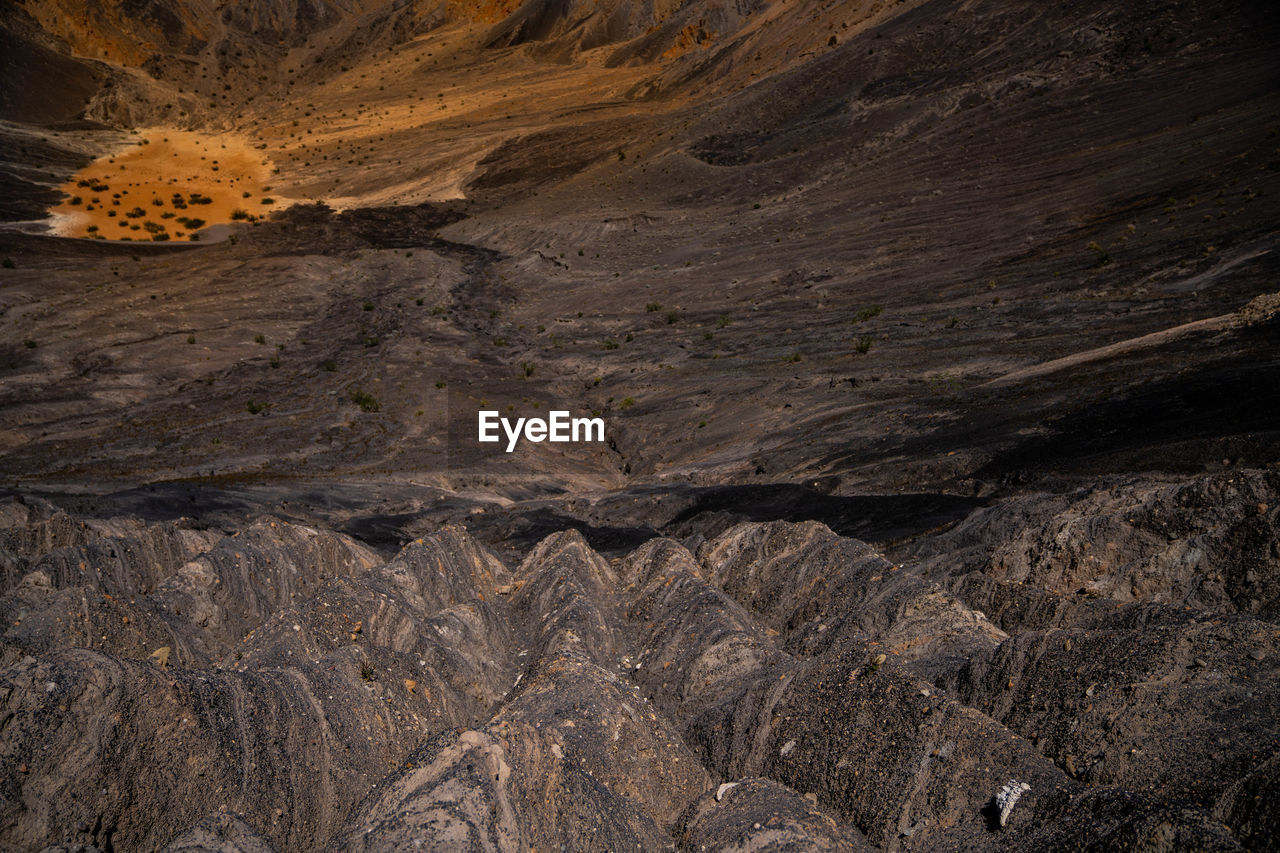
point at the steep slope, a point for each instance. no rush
(782, 686)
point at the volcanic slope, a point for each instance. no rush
(938, 350)
(765, 258)
(280, 686)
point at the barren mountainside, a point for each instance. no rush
(936, 348)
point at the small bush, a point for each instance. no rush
(608, 344)
(329, 365)
(723, 321)
(527, 367)
(367, 402)
(672, 317)
(29, 344)
(863, 344)
(259, 339)
(240, 214)
(253, 407)
(8, 263)
(440, 383)
(867, 313)
(627, 403)
(1101, 256)
(368, 306)
(653, 307)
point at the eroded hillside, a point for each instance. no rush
(937, 349)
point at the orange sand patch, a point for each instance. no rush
(167, 188)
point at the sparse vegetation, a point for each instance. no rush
(653, 307)
(259, 339)
(366, 401)
(253, 407)
(862, 345)
(867, 313)
(1101, 256)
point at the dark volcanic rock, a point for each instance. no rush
(787, 688)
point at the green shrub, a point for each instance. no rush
(863, 344)
(1101, 256)
(253, 407)
(367, 402)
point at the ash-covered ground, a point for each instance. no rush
(938, 353)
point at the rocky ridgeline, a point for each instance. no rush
(1095, 670)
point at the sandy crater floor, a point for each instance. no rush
(169, 186)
